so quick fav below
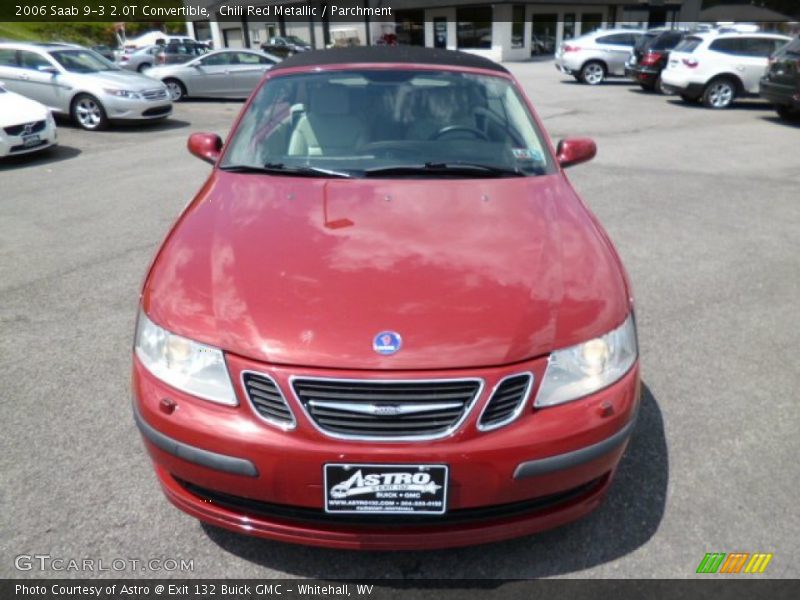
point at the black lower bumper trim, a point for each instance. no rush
(257, 508)
(205, 458)
(561, 462)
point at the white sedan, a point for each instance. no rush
(25, 125)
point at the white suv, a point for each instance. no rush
(716, 68)
(593, 57)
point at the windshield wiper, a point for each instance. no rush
(435, 168)
(281, 169)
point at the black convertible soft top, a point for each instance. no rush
(388, 54)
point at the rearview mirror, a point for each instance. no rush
(206, 146)
(574, 151)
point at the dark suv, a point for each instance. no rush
(781, 84)
(649, 57)
(284, 46)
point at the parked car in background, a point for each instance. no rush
(649, 57)
(25, 125)
(781, 84)
(105, 51)
(179, 52)
(283, 46)
(457, 366)
(155, 37)
(716, 68)
(139, 60)
(82, 84)
(219, 74)
(600, 54)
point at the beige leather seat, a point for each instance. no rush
(328, 128)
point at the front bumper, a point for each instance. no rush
(225, 466)
(777, 93)
(14, 145)
(123, 109)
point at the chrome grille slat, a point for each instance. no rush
(17, 130)
(507, 401)
(386, 410)
(378, 396)
(159, 94)
(267, 400)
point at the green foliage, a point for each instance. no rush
(80, 33)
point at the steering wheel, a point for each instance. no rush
(459, 128)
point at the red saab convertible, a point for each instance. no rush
(387, 320)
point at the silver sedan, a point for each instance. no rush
(139, 60)
(80, 83)
(220, 74)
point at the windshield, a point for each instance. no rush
(82, 61)
(415, 123)
(294, 40)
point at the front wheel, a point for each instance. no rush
(88, 113)
(593, 73)
(177, 91)
(720, 93)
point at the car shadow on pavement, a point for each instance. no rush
(213, 101)
(754, 105)
(628, 518)
(605, 83)
(50, 155)
(129, 126)
(779, 121)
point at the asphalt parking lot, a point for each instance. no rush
(704, 209)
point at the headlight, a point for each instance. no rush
(189, 366)
(580, 370)
(124, 94)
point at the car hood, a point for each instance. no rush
(307, 271)
(16, 109)
(120, 79)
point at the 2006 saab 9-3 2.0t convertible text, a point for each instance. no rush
(387, 320)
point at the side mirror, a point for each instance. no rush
(206, 146)
(575, 151)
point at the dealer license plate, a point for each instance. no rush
(386, 489)
(30, 140)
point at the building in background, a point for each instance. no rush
(500, 29)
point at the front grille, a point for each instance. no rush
(35, 127)
(160, 94)
(506, 403)
(387, 410)
(317, 516)
(156, 112)
(267, 400)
